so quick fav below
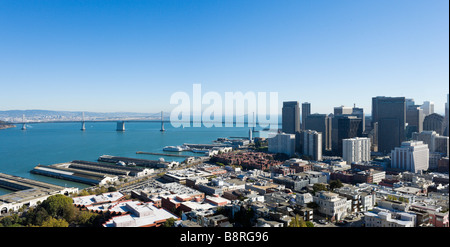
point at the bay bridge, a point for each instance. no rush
(157, 117)
(83, 121)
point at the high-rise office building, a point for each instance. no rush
(311, 142)
(434, 122)
(414, 119)
(390, 114)
(412, 156)
(291, 117)
(306, 111)
(427, 107)
(435, 142)
(447, 121)
(356, 150)
(343, 110)
(320, 123)
(348, 127)
(359, 112)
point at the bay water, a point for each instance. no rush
(52, 143)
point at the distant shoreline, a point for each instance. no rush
(6, 126)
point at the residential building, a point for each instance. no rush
(356, 150)
(311, 143)
(282, 143)
(299, 181)
(332, 205)
(385, 218)
(361, 201)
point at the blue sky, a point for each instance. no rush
(133, 55)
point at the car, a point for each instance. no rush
(323, 222)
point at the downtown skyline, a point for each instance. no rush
(132, 56)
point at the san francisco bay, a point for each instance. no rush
(52, 143)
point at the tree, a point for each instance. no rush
(334, 184)
(169, 222)
(297, 221)
(86, 218)
(309, 224)
(319, 187)
(36, 216)
(52, 222)
(59, 207)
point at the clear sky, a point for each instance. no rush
(133, 55)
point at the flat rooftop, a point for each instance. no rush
(24, 189)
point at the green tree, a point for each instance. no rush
(319, 187)
(52, 222)
(334, 184)
(169, 222)
(309, 224)
(59, 207)
(86, 218)
(36, 216)
(297, 221)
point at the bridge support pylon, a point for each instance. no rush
(120, 126)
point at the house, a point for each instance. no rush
(332, 205)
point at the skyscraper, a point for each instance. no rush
(390, 114)
(434, 122)
(447, 121)
(320, 123)
(356, 150)
(435, 142)
(359, 112)
(306, 111)
(414, 119)
(342, 110)
(291, 117)
(427, 107)
(348, 127)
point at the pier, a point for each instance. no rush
(164, 154)
(26, 192)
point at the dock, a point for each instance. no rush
(26, 192)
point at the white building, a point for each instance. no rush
(312, 144)
(385, 218)
(427, 107)
(303, 199)
(282, 143)
(412, 156)
(356, 150)
(332, 205)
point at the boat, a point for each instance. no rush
(196, 150)
(173, 149)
